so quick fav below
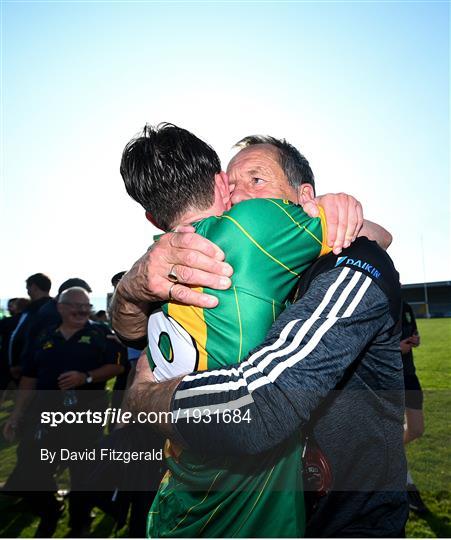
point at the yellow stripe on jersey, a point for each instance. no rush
(209, 519)
(197, 504)
(325, 249)
(193, 321)
(273, 311)
(262, 249)
(255, 503)
(303, 227)
(239, 322)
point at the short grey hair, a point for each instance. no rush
(295, 166)
(67, 293)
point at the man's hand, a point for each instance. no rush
(344, 217)
(415, 340)
(16, 372)
(194, 260)
(71, 379)
(149, 396)
(406, 346)
(10, 428)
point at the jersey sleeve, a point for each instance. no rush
(280, 384)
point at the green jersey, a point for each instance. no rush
(269, 242)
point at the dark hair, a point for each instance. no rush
(18, 305)
(168, 170)
(74, 282)
(117, 277)
(21, 304)
(295, 166)
(41, 281)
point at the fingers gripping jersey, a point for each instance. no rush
(269, 242)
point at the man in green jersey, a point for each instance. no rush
(177, 179)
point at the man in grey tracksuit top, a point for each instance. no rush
(330, 364)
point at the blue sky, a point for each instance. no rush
(361, 88)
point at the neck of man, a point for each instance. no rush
(196, 215)
(38, 295)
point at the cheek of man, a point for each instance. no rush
(78, 317)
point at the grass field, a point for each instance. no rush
(429, 457)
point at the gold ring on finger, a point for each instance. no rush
(170, 291)
(172, 276)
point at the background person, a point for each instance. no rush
(16, 306)
(131, 356)
(38, 289)
(414, 418)
(100, 316)
(47, 317)
(69, 370)
(137, 492)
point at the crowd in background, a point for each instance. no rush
(57, 354)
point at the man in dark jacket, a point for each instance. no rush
(38, 289)
(16, 306)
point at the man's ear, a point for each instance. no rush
(305, 193)
(222, 182)
(150, 218)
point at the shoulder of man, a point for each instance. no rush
(48, 308)
(103, 336)
(45, 335)
(364, 256)
(259, 206)
(256, 216)
(36, 306)
(100, 330)
(46, 317)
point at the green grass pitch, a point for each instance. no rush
(429, 457)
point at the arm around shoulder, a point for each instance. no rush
(279, 385)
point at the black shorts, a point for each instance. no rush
(414, 393)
